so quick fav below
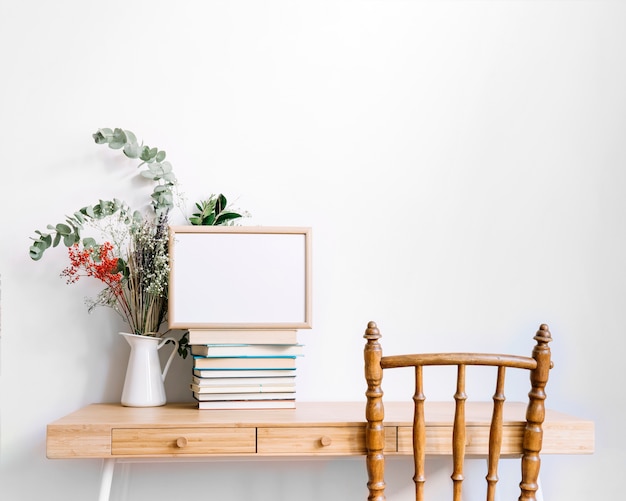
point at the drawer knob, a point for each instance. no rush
(181, 442)
(325, 441)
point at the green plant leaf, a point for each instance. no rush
(145, 153)
(122, 267)
(79, 217)
(100, 136)
(89, 242)
(221, 203)
(118, 139)
(130, 137)
(63, 229)
(148, 154)
(132, 150)
(224, 217)
(68, 240)
(148, 174)
(88, 211)
(36, 251)
(169, 178)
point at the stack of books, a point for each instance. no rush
(244, 369)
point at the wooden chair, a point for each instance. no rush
(538, 366)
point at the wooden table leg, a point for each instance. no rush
(108, 466)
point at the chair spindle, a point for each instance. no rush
(495, 435)
(419, 435)
(458, 434)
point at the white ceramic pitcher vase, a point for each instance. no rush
(143, 385)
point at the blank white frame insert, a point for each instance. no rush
(239, 277)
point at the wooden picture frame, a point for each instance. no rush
(239, 277)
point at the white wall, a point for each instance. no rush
(461, 164)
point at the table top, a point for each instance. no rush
(305, 413)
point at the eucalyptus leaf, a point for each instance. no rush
(68, 240)
(118, 140)
(89, 242)
(169, 178)
(130, 137)
(36, 251)
(103, 136)
(131, 150)
(148, 174)
(63, 229)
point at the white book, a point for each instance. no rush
(244, 396)
(247, 350)
(243, 390)
(248, 404)
(263, 336)
(206, 382)
(237, 373)
(244, 362)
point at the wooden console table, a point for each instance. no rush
(314, 429)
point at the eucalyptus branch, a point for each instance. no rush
(157, 168)
(69, 232)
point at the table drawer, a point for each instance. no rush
(182, 441)
(322, 440)
(314, 440)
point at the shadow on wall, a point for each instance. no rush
(342, 479)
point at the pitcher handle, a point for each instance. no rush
(169, 360)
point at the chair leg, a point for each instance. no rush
(539, 493)
(106, 479)
(496, 496)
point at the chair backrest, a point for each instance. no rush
(538, 366)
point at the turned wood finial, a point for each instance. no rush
(372, 331)
(373, 371)
(543, 335)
